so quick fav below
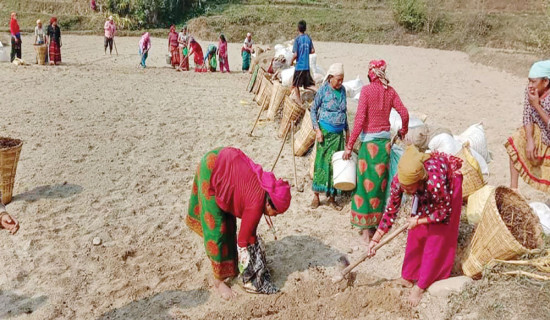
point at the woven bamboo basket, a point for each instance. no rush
(493, 239)
(253, 78)
(258, 82)
(278, 94)
(305, 137)
(291, 112)
(10, 149)
(261, 89)
(266, 97)
(41, 50)
(473, 179)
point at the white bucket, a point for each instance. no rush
(344, 173)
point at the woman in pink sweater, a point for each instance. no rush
(229, 185)
(372, 127)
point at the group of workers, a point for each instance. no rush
(229, 185)
(51, 39)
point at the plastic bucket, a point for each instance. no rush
(344, 173)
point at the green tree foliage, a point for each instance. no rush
(158, 13)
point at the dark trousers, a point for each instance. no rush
(15, 49)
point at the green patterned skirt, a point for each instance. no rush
(322, 174)
(368, 200)
(217, 228)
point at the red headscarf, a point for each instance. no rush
(377, 70)
(53, 19)
(172, 28)
(278, 189)
(14, 26)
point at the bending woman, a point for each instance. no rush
(229, 185)
(529, 147)
(195, 50)
(436, 185)
(372, 126)
(330, 121)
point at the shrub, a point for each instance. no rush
(411, 14)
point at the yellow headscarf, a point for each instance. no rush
(411, 166)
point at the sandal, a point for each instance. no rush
(315, 204)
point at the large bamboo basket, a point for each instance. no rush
(258, 82)
(292, 112)
(253, 79)
(472, 178)
(266, 96)
(9, 157)
(492, 238)
(41, 50)
(305, 137)
(261, 89)
(278, 94)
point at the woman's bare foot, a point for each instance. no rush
(332, 203)
(415, 296)
(366, 235)
(403, 283)
(315, 203)
(224, 290)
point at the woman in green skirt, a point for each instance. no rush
(372, 127)
(229, 185)
(330, 121)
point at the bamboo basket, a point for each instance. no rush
(253, 79)
(40, 53)
(261, 89)
(492, 238)
(305, 137)
(266, 97)
(292, 112)
(473, 179)
(258, 82)
(278, 95)
(9, 157)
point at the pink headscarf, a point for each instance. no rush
(278, 189)
(377, 70)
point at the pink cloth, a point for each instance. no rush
(239, 186)
(373, 110)
(431, 248)
(145, 42)
(224, 62)
(110, 29)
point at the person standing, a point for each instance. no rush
(144, 47)
(15, 38)
(372, 127)
(246, 51)
(183, 40)
(330, 121)
(173, 47)
(110, 30)
(303, 47)
(222, 54)
(54, 36)
(40, 40)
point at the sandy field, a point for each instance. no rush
(110, 151)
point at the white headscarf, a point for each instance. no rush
(335, 69)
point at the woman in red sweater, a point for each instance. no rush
(229, 185)
(372, 127)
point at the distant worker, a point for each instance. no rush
(246, 51)
(303, 47)
(110, 30)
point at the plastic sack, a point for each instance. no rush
(396, 123)
(476, 204)
(483, 167)
(543, 212)
(353, 87)
(395, 154)
(475, 134)
(445, 143)
(286, 77)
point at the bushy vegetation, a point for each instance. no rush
(158, 13)
(419, 15)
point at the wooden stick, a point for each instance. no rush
(114, 43)
(365, 255)
(294, 158)
(527, 274)
(257, 119)
(281, 150)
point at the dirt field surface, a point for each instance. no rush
(110, 150)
